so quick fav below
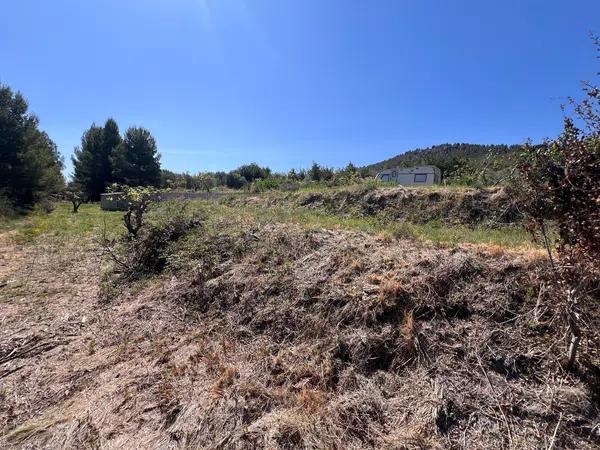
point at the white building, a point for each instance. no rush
(408, 176)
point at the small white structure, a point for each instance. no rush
(408, 176)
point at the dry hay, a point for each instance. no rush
(279, 337)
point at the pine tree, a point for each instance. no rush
(90, 162)
(30, 165)
(136, 161)
(111, 139)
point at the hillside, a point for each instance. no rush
(491, 207)
(450, 157)
(233, 327)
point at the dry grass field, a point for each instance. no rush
(279, 326)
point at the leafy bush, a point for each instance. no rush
(148, 253)
(76, 196)
(253, 171)
(138, 202)
(561, 183)
(267, 184)
(235, 180)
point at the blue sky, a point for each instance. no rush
(285, 82)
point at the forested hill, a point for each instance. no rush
(447, 156)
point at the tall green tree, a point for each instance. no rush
(253, 171)
(136, 161)
(89, 162)
(92, 160)
(111, 139)
(30, 165)
(316, 172)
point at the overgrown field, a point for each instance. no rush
(265, 323)
(451, 205)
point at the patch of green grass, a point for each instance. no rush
(511, 237)
(63, 223)
(90, 221)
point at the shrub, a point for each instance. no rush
(267, 184)
(147, 254)
(76, 196)
(235, 181)
(138, 202)
(560, 182)
(7, 210)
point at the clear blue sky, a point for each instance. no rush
(286, 82)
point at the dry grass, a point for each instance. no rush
(276, 336)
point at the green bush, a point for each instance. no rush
(268, 184)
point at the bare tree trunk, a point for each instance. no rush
(547, 242)
(574, 331)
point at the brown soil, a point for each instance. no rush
(280, 337)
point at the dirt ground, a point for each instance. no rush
(280, 337)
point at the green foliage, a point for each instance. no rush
(104, 158)
(560, 182)
(235, 181)
(510, 237)
(253, 171)
(267, 184)
(75, 195)
(111, 139)
(260, 179)
(350, 169)
(168, 179)
(315, 173)
(136, 161)
(7, 210)
(468, 164)
(138, 201)
(30, 165)
(206, 181)
(92, 159)
(148, 253)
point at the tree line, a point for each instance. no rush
(31, 168)
(105, 157)
(30, 164)
(253, 176)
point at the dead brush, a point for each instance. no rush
(146, 253)
(369, 352)
(357, 266)
(304, 366)
(391, 300)
(311, 400)
(412, 346)
(227, 377)
(167, 395)
(214, 361)
(390, 290)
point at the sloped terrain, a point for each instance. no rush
(276, 336)
(446, 156)
(490, 206)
